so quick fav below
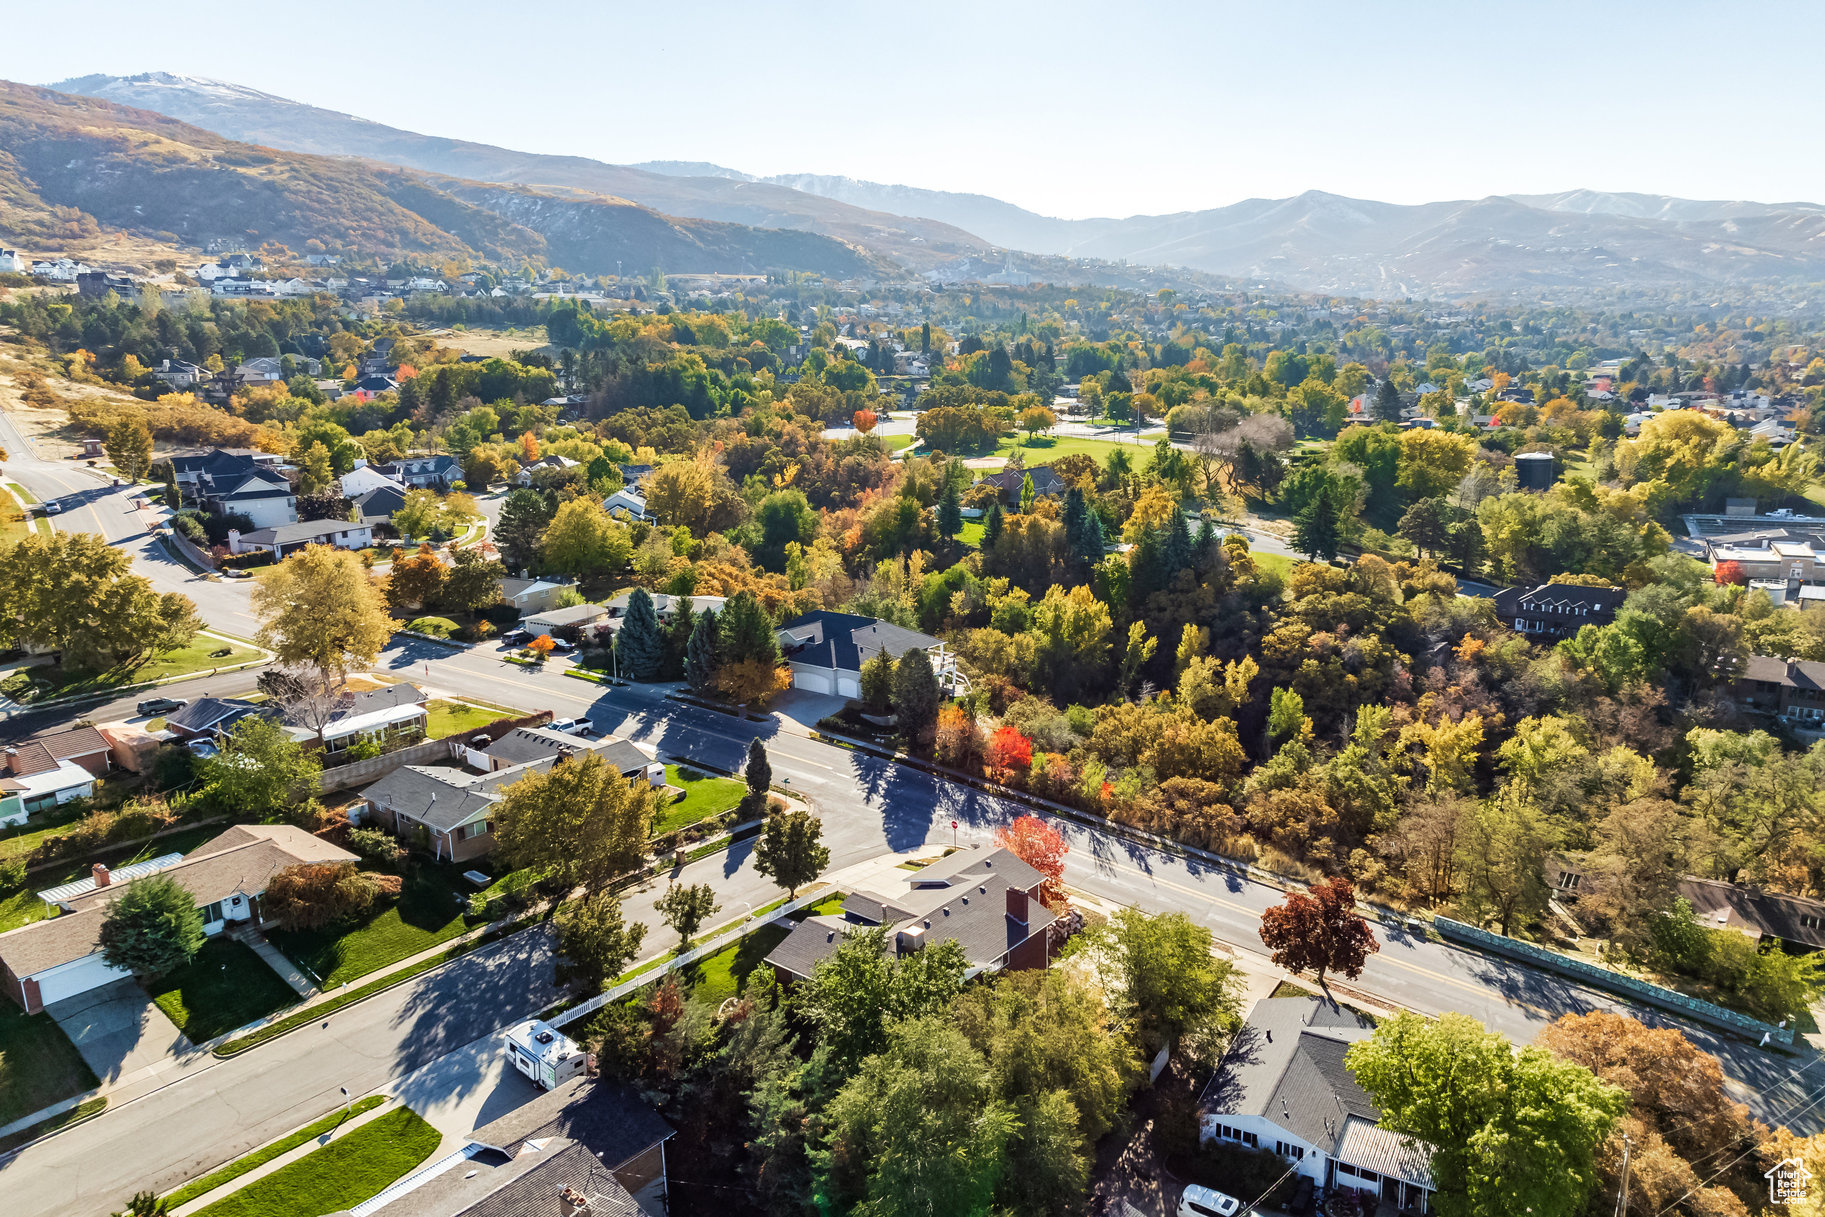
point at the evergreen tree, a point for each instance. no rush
(1147, 568)
(1075, 518)
(152, 929)
(1026, 494)
(678, 637)
(950, 511)
(991, 527)
(1175, 546)
(916, 695)
(1318, 528)
(1469, 548)
(1387, 402)
(524, 517)
(760, 780)
(702, 653)
(1425, 525)
(639, 645)
(746, 632)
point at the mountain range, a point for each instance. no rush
(72, 167)
(1533, 246)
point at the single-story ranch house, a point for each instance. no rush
(48, 961)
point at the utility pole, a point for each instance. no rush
(1622, 1193)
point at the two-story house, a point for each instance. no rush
(1557, 610)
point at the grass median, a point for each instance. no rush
(339, 1176)
(266, 1153)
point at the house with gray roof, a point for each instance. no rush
(1283, 1086)
(826, 650)
(286, 539)
(986, 901)
(587, 1148)
(227, 875)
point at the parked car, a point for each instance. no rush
(558, 644)
(203, 747)
(161, 705)
(1200, 1201)
(570, 726)
(514, 636)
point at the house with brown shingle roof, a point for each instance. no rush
(50, 769)
(48, 961)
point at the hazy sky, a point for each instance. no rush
(1068, 108)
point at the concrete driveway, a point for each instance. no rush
(806, 708)
(119, 1031)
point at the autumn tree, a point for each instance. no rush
(865, 420)
(584, 540)
(311, 895)
(791, 850)
(1043, 848)
(73, 593)
(1320, 931)
(582, 821)
(321, 610)
(415, 581)
(129, 448)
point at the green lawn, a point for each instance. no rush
(1044, 449)
(266, 1153)
(896, 442)
(971, 534)
(224, 987)
(340, 1175)
(705, 795)
(1280, 564)
(198, 656)
(429, 911)
(22, 907)
(450, 717)
(38, 1064)
(829, 906)
(720, 976)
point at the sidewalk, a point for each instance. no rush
(287, 970)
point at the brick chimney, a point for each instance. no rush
(12, 760)
(100, 872)
(571, 1202)
(1017, 904)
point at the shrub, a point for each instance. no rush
(316, 894)
(373, 845)
(478, 630)
(437, 627)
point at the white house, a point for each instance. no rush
(285, 539)
(365, 477)
(1283, 1087)
(59, 270)
(630, 501)
(12, 263)
(48, 961)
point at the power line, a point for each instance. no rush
(1706, 1181)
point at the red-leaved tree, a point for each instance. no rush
(865, 420)
(1320, 931)
(1728, 572)
(1009, 754)
(1040, 846)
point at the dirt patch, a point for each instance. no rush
(46, 427)
(490, 343)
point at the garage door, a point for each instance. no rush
(848, 686)
(811, 680)
(78, 976)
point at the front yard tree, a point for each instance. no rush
(145, 1204)
(638, 642)
(474, 581)
(1164, 977)
(877, 684)
(759, 773)
(129, 448)
(321, 610)
(916, 695)
(416, 581)
(71, 592)
(584, 540)
(685, 907)
(154, 928)
(791, 849)
(1320, 932)
(581, 820)
(1510, 1131)
(524, 515)
(596, 942)
(260, 772)
(1043, 848)
(701, 654)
